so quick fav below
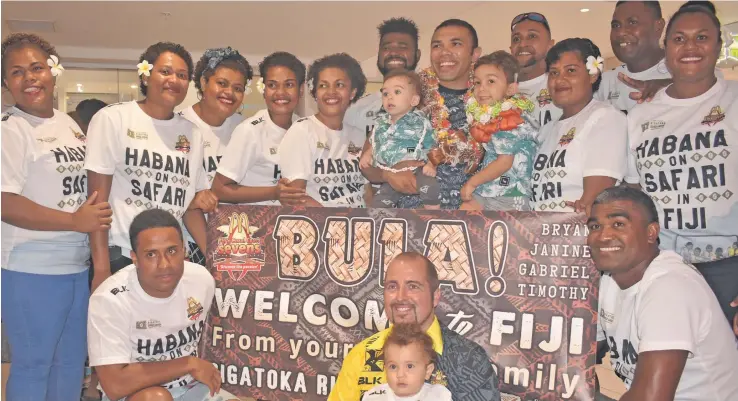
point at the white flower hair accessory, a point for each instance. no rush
(144, 68)
(56, 68)
(247, 90)
(260, 85)
(310, 85)
(595, 65)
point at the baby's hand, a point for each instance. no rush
(366, 159)
(466, 192)
(429, 169)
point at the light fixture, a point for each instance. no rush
(584, 10)
(134, 86)
(79, 88)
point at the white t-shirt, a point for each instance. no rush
(383, 392)
(327, 159)
(684, 153)
(536, 90)
(126, 325)
(615, 92)
(215, 139)
(251, 158)
(42, 160)
(362, 113)
(154, 163)
(591, 143)
(671, 308)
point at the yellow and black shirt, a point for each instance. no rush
(462, 366)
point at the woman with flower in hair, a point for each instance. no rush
(250, 170)
(141, 155)
(46, 216)
(320, 154)
(585, 151)
(222, 78)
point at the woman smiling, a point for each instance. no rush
(141, 155)
(685, 153)
(585, 151)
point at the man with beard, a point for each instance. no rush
(635, 31)
(398, 48)
(529, 43)
(454, 48)
(410, 294)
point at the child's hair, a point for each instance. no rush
(584, 47)
(502, 60)
(153, 52)
(412, 77)
(20, 40)
(283, 59)
(404, 334)
(344, 62)
(221, 57)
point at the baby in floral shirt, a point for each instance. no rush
(500, 120)
(401, 133)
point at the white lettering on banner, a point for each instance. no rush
(343, 311)
(272, 379)
(327, 297)
(506, 322)
(447, 242)
(518, 376)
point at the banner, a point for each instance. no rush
(296, 288)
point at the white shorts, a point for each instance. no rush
(194, 391)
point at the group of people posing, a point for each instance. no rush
(542, 127)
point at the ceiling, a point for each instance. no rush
(109, 31)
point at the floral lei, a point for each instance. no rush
(486, 120)
(434, 107)
(433, 103)
(484, 113)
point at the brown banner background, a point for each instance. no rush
(252, 365)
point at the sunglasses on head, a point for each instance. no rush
(537, 17)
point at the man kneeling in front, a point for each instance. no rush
(667, 336)
(145, 321)
(410, 294)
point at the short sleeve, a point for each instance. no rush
(607, 146)
(601, 336)
(17, 152)
(241, 153)
(103, 143)
(210, 292)
(659, 328)
(297, 152)
(107, 332)
(602, 91)
(631, 175)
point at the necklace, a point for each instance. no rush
(452, 145)
(487, 119)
